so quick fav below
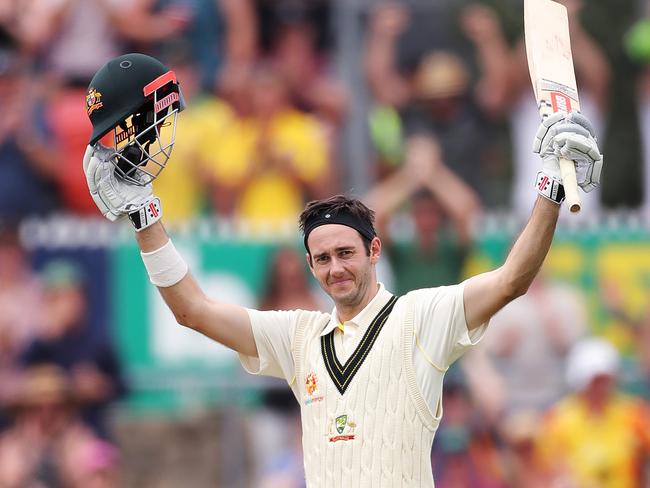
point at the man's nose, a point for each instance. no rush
(336, 267)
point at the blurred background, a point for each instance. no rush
(422, 108)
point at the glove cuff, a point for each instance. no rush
(146, 215)
(549, 187)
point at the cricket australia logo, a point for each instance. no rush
(311, 388)
(93, 100)
(341, 429)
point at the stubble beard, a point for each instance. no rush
(355, 296)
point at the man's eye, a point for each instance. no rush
(321, 259)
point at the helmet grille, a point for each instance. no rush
(144, 140)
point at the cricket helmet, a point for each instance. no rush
(137, 98)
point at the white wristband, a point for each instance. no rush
(165, 266)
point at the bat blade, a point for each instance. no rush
(550, 62)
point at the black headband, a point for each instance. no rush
(343, 217)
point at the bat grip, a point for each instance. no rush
(568, 172)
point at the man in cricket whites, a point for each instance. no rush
(369, 375)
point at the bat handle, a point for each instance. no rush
(568, 172)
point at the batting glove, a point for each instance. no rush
(114, 197)
(570, 136)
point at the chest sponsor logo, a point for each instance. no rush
(312, 390)
(341, 429)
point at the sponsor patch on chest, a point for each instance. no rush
(312, 389)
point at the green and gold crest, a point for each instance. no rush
(341, 422)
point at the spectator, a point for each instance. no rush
(74, 38)
(239, 41)
(435, 253)
(26, 166)
(437, 98)
(596, 436)
(515, 94)
(466, 454)
(522, 464)
(263, 167)
(287, 285)
(20, 305)
(283, 467)
(644, 352)
(202, 122)
(528, 349)
(87, 462)
(296, 54)
(220, 35)
(68, 341)
(638, 51)
(628, 328)
(44, 421)
(20, 293)
(69, 128)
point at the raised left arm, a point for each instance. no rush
(561, 135)
(485, 294)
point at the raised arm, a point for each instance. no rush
(224, 323)
(424, 168)
(139, 22)
(570, 136)
(420, 158)
(457, 199)
(591, 64)
(487, 293)
(386, 83)
(482, 27)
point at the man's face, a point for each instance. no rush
(65, 308)
(340, 263)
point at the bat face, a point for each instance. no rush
(548, 48)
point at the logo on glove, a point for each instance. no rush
(542, 185)
(154, 211)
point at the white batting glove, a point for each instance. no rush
(114, 197)
(570, 136)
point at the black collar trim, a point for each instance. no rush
(342, 374)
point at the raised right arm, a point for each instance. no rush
(388, 86)
(225, 323)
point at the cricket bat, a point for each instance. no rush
(548, 49)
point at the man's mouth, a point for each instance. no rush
(340, 282)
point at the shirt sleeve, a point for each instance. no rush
(440, 324)
(273, 332)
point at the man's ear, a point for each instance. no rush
(375, 250)
(309, 262)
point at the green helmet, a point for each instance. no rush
(137, 98)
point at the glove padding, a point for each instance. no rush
(570, 136)
(114, 197)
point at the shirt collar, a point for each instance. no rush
(363, 318)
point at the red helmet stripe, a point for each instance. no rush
(162, 80)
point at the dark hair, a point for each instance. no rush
(334, 205)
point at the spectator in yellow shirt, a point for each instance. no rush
(264, 166)
(596, 437)
(204, 118)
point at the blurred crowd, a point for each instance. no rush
(58, 376)
(449, 119)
